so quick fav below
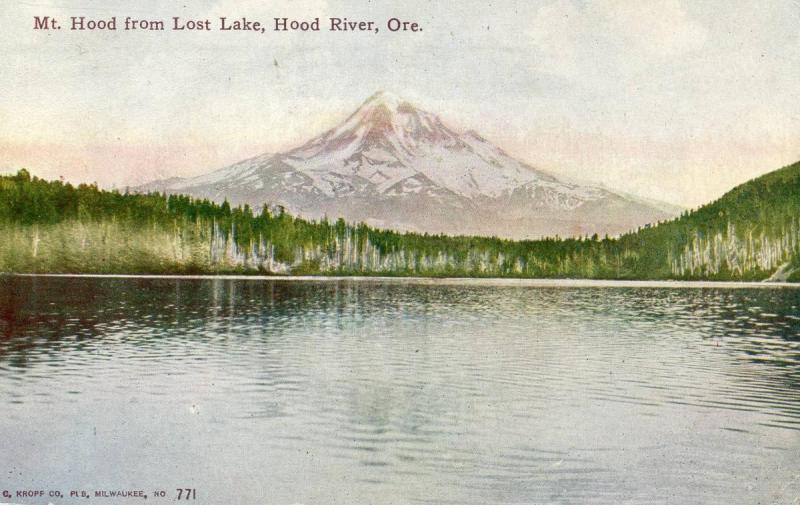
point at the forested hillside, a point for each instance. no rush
(751, 233)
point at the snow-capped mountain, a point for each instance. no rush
(393, 165)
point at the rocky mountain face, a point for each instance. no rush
(395, 166)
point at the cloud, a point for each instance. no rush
(572, 37)
(657, 27)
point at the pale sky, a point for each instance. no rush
(669, 99)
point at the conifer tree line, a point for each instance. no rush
(750, 233)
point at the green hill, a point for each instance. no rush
(749, 234)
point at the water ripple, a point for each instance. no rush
(403, 393)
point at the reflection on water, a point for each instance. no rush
(364, 392)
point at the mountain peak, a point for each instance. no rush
(400, 166)
(385, 121)
(385, 98)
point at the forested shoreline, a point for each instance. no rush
(750, 233)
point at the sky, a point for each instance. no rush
(667, 99)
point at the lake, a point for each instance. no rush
(390, 392)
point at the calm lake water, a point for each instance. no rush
(279, 392)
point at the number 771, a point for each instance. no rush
(187, 493)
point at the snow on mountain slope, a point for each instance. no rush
(393, 165)
(387, 140)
